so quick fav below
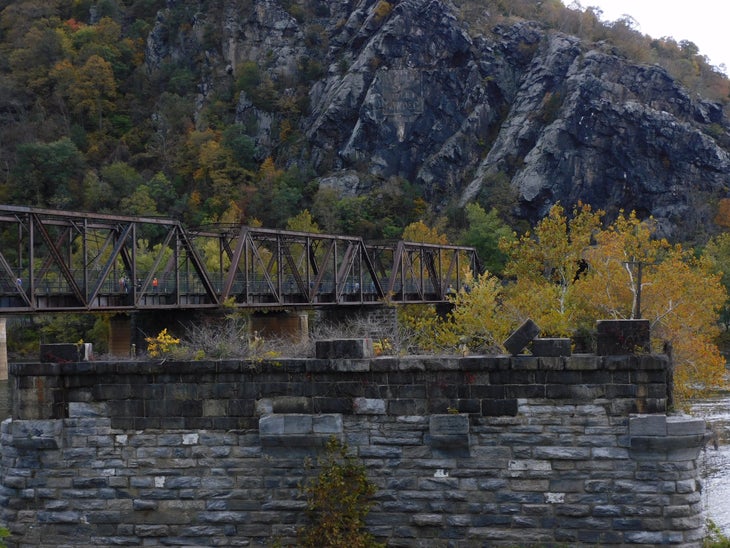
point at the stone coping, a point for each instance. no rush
(576, 362)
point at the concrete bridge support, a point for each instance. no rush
(120, 335)
(373, 321)
(283, 325)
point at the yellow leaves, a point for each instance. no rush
(424, 325)
(162, 344)
(547, 304)
(382, 347)
(303, 222)
(268, 170)
(555, 250)
(700, 368)
(420, 232)
(382, 10)
(545, 266)
(571, 272)
(94, 89)
(194, 200)
(475, 320)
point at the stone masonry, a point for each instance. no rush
(465, 451)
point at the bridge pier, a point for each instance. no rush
(376, 321)
(284, 325)
(120, 335)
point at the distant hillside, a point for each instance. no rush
(371, 114)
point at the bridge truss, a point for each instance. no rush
(60, 261)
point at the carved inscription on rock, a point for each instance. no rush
(401, 91)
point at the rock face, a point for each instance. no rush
(407, 91)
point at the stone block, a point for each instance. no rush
(621, 337)
(667, 448)
(682, 425)
(334, 349)
(551, 347)
(499, 408)
(332, 405)
(583, 362)
(82, 409)
(60, 353)
(144, 505)
(327, 424)
(298, 430)
(368, 406)
(448, 425)
(289, 404)
(521, 337)
(36, 434)
(286, 424)
(380, 452)
(648, 425)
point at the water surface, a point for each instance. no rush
(715, 462)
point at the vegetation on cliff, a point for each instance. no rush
(138, 108)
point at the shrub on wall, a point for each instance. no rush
(338, 500)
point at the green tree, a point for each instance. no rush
(33, 55)
(278, 194)
(162, 192)
(324, 208)
(46, 174)
(121, 180)
(717, 254)
(241, 146)
(139, 203)
(484, 232)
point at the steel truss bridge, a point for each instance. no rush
(61, 261)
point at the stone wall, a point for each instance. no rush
(465, 451)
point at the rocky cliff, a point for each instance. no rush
(407, 89)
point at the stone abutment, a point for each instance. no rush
(465, 451)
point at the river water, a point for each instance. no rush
(715, 461)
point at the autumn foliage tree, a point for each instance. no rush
(678, 293)
(542, 268)
(572, 271)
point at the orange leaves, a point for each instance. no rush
(572, 271)
(722, 217)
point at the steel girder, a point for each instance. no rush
(55, 261)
